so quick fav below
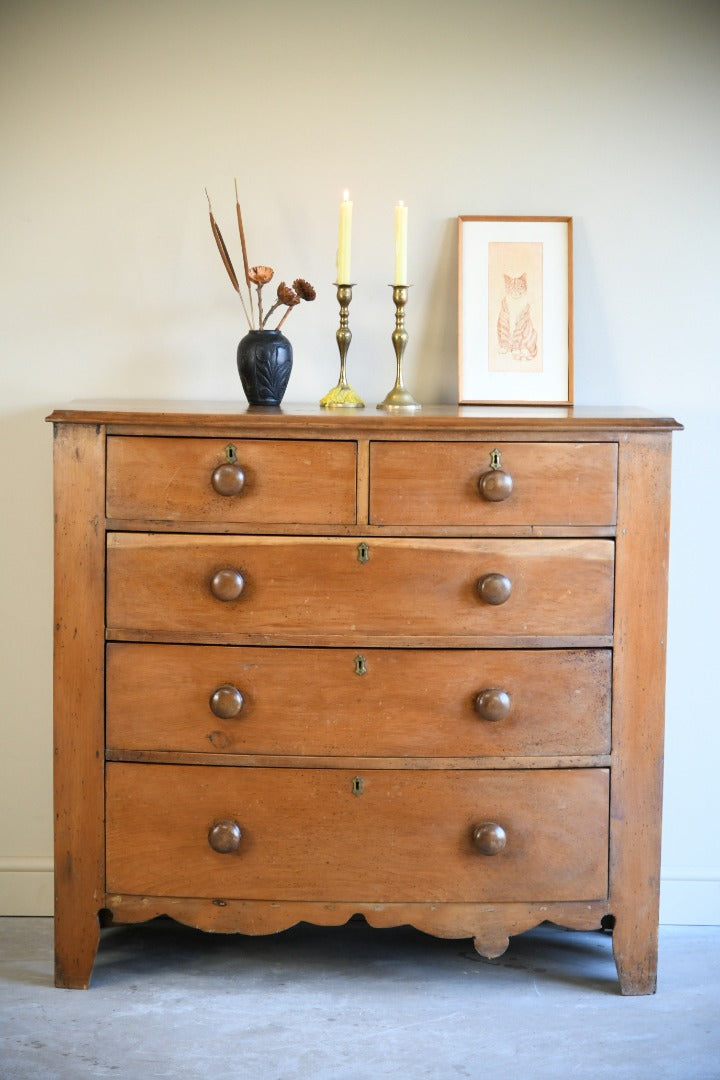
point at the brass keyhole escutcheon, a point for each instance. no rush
(360, 665)
(231, 454)
(363, 552)
(495, 485)
(358, 785)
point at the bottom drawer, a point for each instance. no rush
(382, 836)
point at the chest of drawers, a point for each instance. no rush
(311, 665)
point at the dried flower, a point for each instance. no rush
(287, 296)
(304, 289)
(260, 275)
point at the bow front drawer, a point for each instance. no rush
(335, 589)
(341, 702)
(377, 836)
(465, 484)
(261, 481)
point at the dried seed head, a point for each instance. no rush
(286, 295)
(304, 289)
(260, 275)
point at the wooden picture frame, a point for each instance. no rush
(515, 310)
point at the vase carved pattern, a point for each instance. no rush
(264, 359)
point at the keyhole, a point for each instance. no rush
(357, 785)
(495, 459)
(363, 551)
(230, 454)
(360, 665)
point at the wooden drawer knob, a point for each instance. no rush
(228, 479)
(227, 584)
(225, 836)
(495, 485)
(226, 702)
(494, 588)
(492, 704)
(489, 838)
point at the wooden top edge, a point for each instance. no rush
(223, 414)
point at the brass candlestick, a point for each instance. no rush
(343, 396)
(399, 399)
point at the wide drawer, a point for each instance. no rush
(337, 588)
(439, 483)
(375, 703)
(283, 481)
(333, 835)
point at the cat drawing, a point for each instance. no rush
(515, 331)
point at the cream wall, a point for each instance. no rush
(113, 118)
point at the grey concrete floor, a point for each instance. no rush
(353, 1003)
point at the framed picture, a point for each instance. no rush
(515, 329)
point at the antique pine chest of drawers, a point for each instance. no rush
(311, 665)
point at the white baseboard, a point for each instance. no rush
(688, 897)
(26, 885)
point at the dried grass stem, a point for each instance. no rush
(227, 262)
(246, 265)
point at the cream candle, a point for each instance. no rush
(344, 240)
(401, 217)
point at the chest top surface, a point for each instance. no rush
(176, 415)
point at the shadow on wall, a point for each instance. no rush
(436, 378)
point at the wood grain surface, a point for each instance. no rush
(307, 836)
(411, 588)
(78, 702)
(436, 483)
(301, 482)
(408, 702)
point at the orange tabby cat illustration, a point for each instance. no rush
(515, 331)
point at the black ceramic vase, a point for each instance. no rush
(264, 359)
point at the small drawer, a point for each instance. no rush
(280, 589)
(349, 702)
(272, 482)
(465, 484)
(378, 836)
